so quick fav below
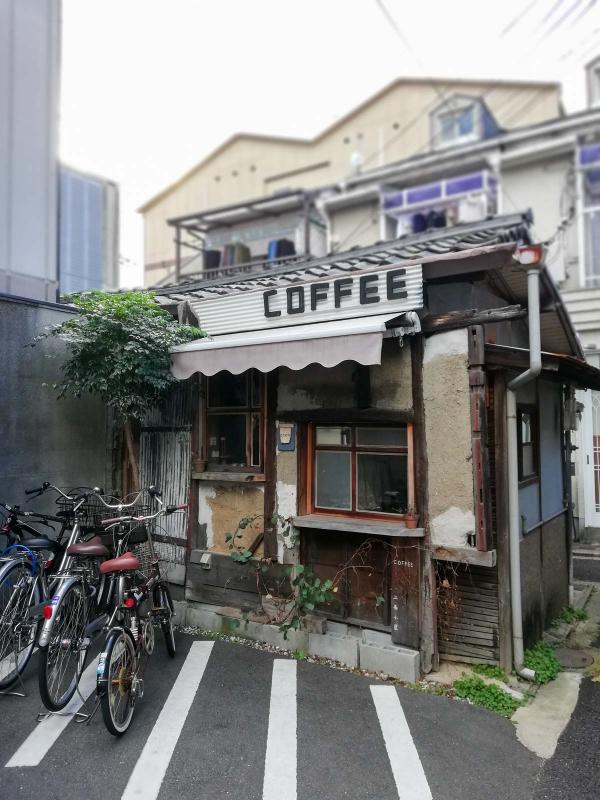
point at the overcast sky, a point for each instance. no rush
(151, 86)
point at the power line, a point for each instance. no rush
(560, 20)
(514, 22)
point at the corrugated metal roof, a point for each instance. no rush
(487, 236)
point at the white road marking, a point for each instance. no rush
(148, 774)
(280, 760)
(407, 769)
(37, 744)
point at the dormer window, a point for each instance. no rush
(457, 125)
(461, 119)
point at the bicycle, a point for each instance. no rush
(130, 638)
(78, 609)
(27, 565)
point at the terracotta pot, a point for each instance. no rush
(411, 522)
(198, 465)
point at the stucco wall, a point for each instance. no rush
(448, 437)
(546, 186)
(222, 505)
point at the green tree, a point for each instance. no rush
(119, 350)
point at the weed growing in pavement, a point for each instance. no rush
(487, 695)
(300, 655)
(542, 659)
(490, 671)
(569, 615)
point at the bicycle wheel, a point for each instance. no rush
(18, 632)
(116, 676)
(62, 660)
(164, 604)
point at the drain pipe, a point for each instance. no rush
(528, 256)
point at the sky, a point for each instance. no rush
(149, 87)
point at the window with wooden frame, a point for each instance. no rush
(362, 470)
(234, 421)
(528, 442)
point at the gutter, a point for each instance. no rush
(530, 256)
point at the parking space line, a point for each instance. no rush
(407, 769)
(281, 757)
(41, 739)
(148, 774)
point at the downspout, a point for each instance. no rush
(514, 520)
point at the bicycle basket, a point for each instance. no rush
(167, 551)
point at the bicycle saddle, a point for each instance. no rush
(125, 563)
(93, 547)
(41, 543)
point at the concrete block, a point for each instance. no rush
(399, 662)
(180, 608)
(312, 623)
(337, 628)
(258, 631)
(379, 638)
(339, 648)
(199, 616)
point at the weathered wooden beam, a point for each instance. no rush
(345, 415)
(465, 555)
(462, 319)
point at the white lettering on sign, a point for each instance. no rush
(285, 303)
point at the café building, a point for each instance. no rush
(396, 419)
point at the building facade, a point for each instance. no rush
(88, 255)
(352, 414)
(407, 118)
(473, 165)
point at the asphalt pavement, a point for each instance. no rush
(229, 721)
(574, 771)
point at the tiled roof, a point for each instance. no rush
(413, 247)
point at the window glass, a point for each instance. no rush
(255, 457)
(227, 439)
(526, 433)
(333, 479)
(227, 391)
(381, 482)
(334, 436)
(381, 437)
(465, 122)
(528, 461)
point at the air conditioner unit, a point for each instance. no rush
(472, 209)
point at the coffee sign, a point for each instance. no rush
(284, 301)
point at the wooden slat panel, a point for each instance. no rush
(468, 621)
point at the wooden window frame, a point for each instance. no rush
(248, 410)
(523, 408)
(353, 448)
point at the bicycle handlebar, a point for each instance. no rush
(170, 509)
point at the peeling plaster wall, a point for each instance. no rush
(448, 435)
(221, 506)
(316, 387)
(391, 382)
(287, 500)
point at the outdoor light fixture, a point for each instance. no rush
(529, 255)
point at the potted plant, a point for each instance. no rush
(411, 518)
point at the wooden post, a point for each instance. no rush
(270, 504)
(427, 600)
(477, 384)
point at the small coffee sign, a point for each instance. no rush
(285, 301)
